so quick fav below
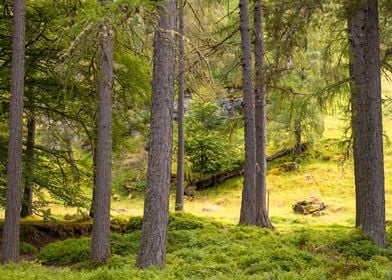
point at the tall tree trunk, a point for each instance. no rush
(181, 79)
(11, 232)
(248, 204)
(29, 163)
(100, 242)
(152, 250)
(367, 120)
(94, 151)
(260, 120)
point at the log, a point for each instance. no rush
(212, 181)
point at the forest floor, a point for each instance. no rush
(205, 242)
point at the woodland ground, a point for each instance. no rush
(209, 245)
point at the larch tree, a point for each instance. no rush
(367, 118)
(260, 120)
(180, 109)
(29, 164)
(100, 242)
(11, 231)
(248, 204)
(152, 251)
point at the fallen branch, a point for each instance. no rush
(212, 181)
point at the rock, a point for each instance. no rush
(310, 206)
(116, 197)
(122, 211)
(210, 208)
(289, 166)
(189, 192)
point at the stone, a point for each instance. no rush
(310, 206)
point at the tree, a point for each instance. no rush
(260, 120)
(10, 244)
(100, 242)
(152, 250)
(248, 204)
(27, 209)
(180, 116)
(367, 119)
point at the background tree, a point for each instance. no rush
(260, 120)
(100, 242)
(248, 204)
(180, 108)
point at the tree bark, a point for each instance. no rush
(248, 204)
(94, 151)
(11, 232)
(181, 80)
(262, 219)
(152, 250)
(29, 163)
(100, 242)
(367, 120)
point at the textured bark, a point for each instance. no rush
(248, 204)
(152, 250)
(94, 151)
(262, 219)
(100, 242)
(11, 232)
(367, 120)
(181, 80)
(29, 163)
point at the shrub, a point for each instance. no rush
(27, 249)
(358, 246)
(125, 244)
(177, 221)
(66, 252)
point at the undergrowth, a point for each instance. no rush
(199, 248)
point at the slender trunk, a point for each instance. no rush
(181, 79)
(28, 188)
(298, 137)
(260, 120)
(367, 120)
(152, 250)
(11, 232)
(100, 242)
(94, 151)
(71, 157)
(248, 204)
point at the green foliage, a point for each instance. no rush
(125, 244)
(222, 252)
(208, 147)
(177, 221)
(65, 252)
(358, 246)
(27, 249)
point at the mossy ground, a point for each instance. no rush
(203, 249)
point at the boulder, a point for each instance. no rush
(289, 166)
(310, 206)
